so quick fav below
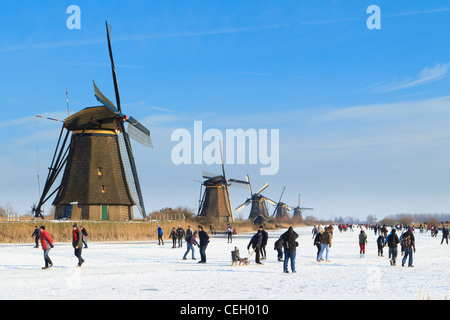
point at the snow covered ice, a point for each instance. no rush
(144, 270)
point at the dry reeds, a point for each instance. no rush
(61, 231)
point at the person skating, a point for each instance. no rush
(190, 242)
(85, 236)
(290, 248)
(409, 246)
(173, 236)
(255, 243)
(392, 242)
(362, 243)
(46, 244)
(380, 244)
(325, 245)
(444, 234)
(77, 243)
(265, 238)
(204, 240)
(278, 245)
(180, 236)
(160, 235)
(229, 234)
(317, 241)
(36, 236)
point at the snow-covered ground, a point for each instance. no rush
(144, 270)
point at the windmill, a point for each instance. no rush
(100, 180)
(216, 202)
(258, 212)
(298, 211)
(281, 209)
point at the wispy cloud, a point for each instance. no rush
(410, 13)
(384, 111)
(61, 44)
(427, 75)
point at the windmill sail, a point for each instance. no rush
(139, 133)
(130, 172)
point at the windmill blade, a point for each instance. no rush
(237, 181)
(139, 133)
(299, 200)
(249, 186)
(275, 210)
(131, 172)
(242, 206)
(263, 188)
(103, 100)
(132, 121)
(116, 85)
(306, 209)
(221, 157)
(282, 194)
(271, 201)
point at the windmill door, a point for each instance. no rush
(104, 213)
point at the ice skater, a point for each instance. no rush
(77, 243)
(46, 244)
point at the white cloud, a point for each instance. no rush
(427, 75)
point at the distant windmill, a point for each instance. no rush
(258, 212)
(298, 211)
(216, 202)
(281, 209)
(100, 180)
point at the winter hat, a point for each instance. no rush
(42, 227)
(75, 226)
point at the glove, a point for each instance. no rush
(52, 246)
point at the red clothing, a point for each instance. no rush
(46, 239)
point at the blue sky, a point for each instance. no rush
(362, 114)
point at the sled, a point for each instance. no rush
(237, 260)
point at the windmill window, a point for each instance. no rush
(103, 189)
(100, 171)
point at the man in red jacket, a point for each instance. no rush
(46, 244)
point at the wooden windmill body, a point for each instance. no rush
(258, 212)
(281, 209)
(216, 203)
(298, 211)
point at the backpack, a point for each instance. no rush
(188, 237)
(406, 241)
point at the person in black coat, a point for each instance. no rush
(265, 238)
(290, 248)
(279, 247)
(36, 235)
(204, 240)
(392, 242)
(444, 234)
(317, 241)
(255, 243)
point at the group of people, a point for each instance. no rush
(322, 240)
(190, 236)
(285, 246)
(392, 240)
(79, 241)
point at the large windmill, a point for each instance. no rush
(216, 203)
(258, 212)
(298, 211)
(281, 209)
(100, 180)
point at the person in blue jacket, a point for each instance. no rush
(160, 235)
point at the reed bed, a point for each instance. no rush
(61, 231)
